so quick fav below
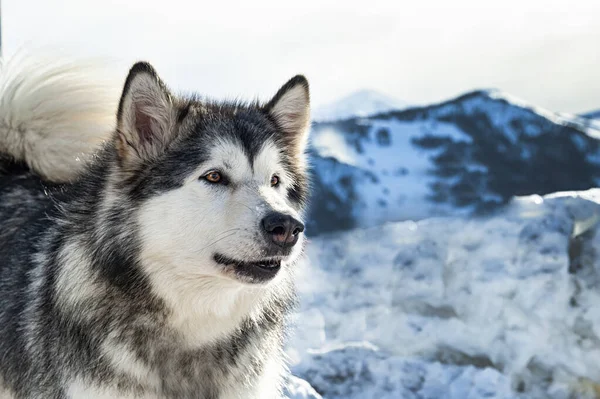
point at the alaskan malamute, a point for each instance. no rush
(163, 268)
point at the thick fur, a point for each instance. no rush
(54, 113)
(110, 285)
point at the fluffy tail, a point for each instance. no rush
(54, 114)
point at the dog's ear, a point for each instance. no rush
(290, 109)
(146, 116)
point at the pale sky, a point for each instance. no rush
(419, 51)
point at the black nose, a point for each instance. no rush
(282, 229)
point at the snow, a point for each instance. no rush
(330, 143)
(436, 160)
(503, 108)
(297, 388)
(592, 115)
(358, 104)
(506, 306)
(399, 188)
(593, 119)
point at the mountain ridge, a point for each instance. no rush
(362, 102)
(467, 155)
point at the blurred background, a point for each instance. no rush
(455, 152)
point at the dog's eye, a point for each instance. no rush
(274, 181)
(213, 177)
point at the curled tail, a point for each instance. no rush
(54, 114)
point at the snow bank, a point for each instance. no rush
(297, 388)
(502, 307)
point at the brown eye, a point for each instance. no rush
(213, 177)
(274, 181)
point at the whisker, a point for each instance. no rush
(230, 230)
(216, 241)
(241, 203)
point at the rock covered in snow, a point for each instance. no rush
(361, 370)
(297, 388)
(502, 306)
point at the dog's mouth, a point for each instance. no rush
(255, 271)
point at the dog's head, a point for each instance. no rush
(219, 188)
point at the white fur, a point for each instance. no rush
(125, 361)
(54, 113)
(5, 393)
(182, 230)
(264, 386)
(268, 162)
(75, 280)
(270, 380)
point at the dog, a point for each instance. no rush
(153, 258)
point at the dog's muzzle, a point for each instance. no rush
(281, 233)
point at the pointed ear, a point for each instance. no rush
(146, 116)
(290, 109)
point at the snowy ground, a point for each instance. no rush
(502, 307)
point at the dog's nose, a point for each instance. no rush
(282, 229)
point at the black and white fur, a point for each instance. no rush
(139, 278)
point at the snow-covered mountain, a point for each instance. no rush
(359, 103)
(592, 115)
(501, 307)
(469, 155)
(593, 118)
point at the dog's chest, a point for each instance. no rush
(242, 367)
